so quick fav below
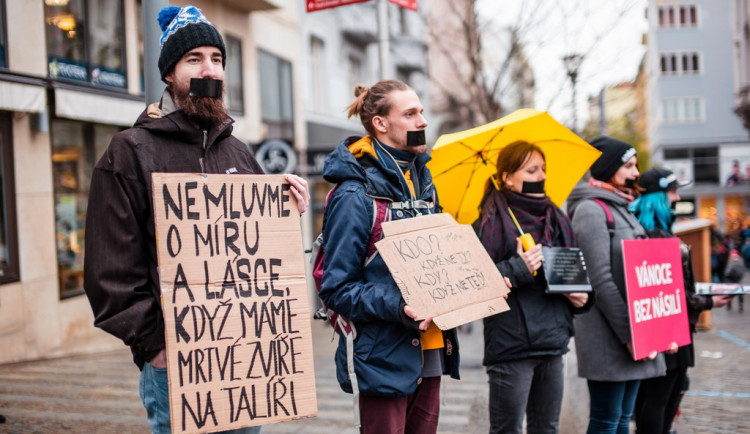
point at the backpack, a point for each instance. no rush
(341, 324)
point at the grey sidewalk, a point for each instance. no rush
(99, 393)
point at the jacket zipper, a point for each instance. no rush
(205, 140)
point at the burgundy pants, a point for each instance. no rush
(414, 414)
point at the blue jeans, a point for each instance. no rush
(154, 391)
(612, 404)
(532, 386)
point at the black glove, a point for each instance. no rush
(406, 320)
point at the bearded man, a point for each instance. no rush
(188, 131)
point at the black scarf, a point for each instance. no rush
(537, 216)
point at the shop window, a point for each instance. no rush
(276, 96)
(705, 162)
(76, 146)
(8, 230)
(233, 75)
(85, 41)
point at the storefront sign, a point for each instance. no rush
(317, 5)
(408, 4)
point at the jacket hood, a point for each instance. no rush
(584, 192)
(165, 119)
(355, 159)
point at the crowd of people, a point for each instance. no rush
(397, 361)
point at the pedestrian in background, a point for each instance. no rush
(603, 340)
(182, 133)
(733, 273)
(659, 397)
(523, 347)
(398, 361)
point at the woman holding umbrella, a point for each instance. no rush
(658, 398)
(603, 342)
(523, 347)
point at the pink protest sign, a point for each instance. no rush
(656, 295)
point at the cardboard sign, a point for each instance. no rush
(234, 297)
(656, 295)
(442, 270)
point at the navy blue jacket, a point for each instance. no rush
(387, 354)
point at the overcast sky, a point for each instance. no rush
(609, 33)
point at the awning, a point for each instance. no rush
(22, 97)
(97, 108)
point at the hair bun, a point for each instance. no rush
(166, 16)
(359, 90)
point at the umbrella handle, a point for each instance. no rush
(527, 241)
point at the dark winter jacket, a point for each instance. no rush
(602, 333)
(685, 356)
(120, 264)
(387, 354)
(538, 323)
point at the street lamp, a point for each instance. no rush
(572, 63)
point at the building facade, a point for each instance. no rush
(71, 76)
(692, 86)
(340, 51)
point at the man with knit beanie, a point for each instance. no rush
(188, 131)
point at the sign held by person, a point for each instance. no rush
(234, 296)
(656, 295)
(442, 270)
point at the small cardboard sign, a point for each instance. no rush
(234, 298)
(656, 295)
(442, 270)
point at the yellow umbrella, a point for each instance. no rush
(463, 162)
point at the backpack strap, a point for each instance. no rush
(381, 212)
(608, 214)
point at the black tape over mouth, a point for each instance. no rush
(206, 87)
(533, 187)
(415, 138)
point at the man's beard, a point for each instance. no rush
(204, 111)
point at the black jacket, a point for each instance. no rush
(120, 265)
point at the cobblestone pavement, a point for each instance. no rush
(99, 393)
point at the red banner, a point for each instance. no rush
(408, 4)
(316, 5)
(656, 295)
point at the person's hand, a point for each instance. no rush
(652, 355)
(509, 285)
(300, 191)
(160, 360)
(411, 313)
(577, 299)
(532, 258)
(673, 347)
(722, 300)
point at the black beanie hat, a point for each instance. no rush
(615, 153)
(654, 180)
(184, 29)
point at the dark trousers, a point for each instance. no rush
(612, 404)
(414, 414)
(531, 387)
(658, 400)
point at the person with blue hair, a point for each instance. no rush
(659, 397)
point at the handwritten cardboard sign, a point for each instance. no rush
(656, 295)
(234, 297)
(442, 269)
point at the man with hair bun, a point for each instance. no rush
(188, 131)
(398, 361)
